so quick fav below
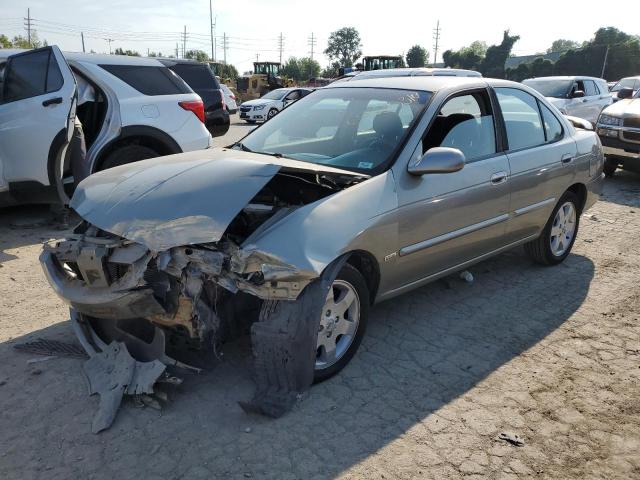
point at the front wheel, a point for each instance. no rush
(272, 113)
(343, 322)
(556, 240)
(610, 167)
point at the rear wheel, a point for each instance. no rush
(556, 240)
(128, 154)
(343, 322)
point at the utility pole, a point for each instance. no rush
(213, 55)
(604, 64)
(257, 57)
(224, 46)
(215, 39)
(436, 37)
(28, 25)
(109, 40)
(82, 37)
(177, 50)
(280, 45)
(184, 42)
(312, 44)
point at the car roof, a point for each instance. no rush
(179, 61)
(418, 71)
(424, 83)
(565, 77)
(97, 58)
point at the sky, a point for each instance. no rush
(253, 26)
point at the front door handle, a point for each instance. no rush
(498, 178)
(52, 101)
(567, 158)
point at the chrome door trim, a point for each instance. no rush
(533, 206)
(443, 273)
(416, 247)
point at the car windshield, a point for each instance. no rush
(551, 88)
(352, 128)
(624, 83)
(275, 94)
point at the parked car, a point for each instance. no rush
(583, 97)
(629, 82)
(130, 109)
(355, 194)
(619, 131)
(264, 108)
(229, 99)
(202, 81)
(409, 72)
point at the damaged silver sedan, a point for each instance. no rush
(358, 192)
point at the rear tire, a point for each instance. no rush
(349, 280)
(127, 154)
(542, 249)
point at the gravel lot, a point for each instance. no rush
(550, 354)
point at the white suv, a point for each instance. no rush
(130, 108)
(582, 97)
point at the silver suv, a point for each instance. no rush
(358, 192)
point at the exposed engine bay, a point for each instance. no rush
(176, 307)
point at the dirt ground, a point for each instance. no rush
(550, 354)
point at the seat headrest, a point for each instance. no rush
(388, 125)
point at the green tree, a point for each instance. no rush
(197, 55)
(130, 53)
(417, 56)
(467, 57)
(344, 46)
(331, 70)
(5, 42)
(227, 71)
(493, 63)
(300, 69)
(562, 45)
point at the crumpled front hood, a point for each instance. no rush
(181, 199)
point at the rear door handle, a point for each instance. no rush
(567, 158)
(52, 101)
(498, 177)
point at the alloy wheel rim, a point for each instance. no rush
(271, 114)
(338, 324)
(563, 229)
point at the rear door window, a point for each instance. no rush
(590, 89)
(31, 74)
(552, 126)
(521, 118)
(149, 80)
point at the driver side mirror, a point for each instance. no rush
(577, 94)
(438, 160)
(625, 93)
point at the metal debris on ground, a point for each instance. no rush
(511, 438)
(51, 348)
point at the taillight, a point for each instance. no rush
(195, 106)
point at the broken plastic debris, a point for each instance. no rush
(511, 438)
(466, 276)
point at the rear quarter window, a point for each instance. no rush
(197, 76)
(149, 80)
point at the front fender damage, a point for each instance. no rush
(129, 302)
